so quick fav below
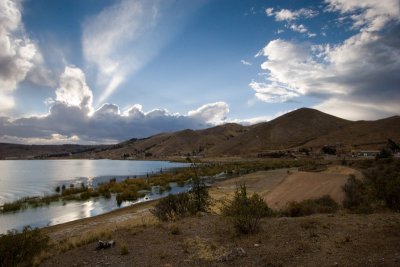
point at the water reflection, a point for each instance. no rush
(60, 212)
(21, 178)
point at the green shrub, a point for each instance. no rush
(357, 197)
(245, 212)
(20, 248)
(384, 182)
(172, 207)
(199, 199)
(177, 206)
(307, 207)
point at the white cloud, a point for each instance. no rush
(370, 15)
(301, 29)
(73, 89)
(20, 58)
(17, 53)
(244, 62)
(355, 110)
(107, 124)
(354, 77)
(269, 11)
(298, 28)
(291, 15)
(72, 119)
(273, 92)
(214, 113)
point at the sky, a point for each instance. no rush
(104, 71)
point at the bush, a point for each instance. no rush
(177, 206)
(307, 207)
(384, 182)
(172, 207)
(245, 212)
(19, 249)
(357, 197)
(199, 199)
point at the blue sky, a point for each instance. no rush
(99, 71)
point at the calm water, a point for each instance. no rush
(20, 178)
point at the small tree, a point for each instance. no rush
(245, 212)
(199, 197)
(384, 181)
(356, 195)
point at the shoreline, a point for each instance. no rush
(81, 226)
(136, 214)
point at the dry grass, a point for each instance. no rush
(203, 248)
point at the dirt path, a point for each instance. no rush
(306, 185)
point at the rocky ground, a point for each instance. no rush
(320, 240)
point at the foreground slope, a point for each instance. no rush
(339, 239)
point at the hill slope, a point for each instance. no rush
(300, 128)
(290, 130)
(362, 134)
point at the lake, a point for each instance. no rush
(22, 178)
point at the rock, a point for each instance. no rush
(257, 245)
(232, 254)
(105, 244)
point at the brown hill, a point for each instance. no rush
(300, 128)
(362, 134)
(19, 151)
(182, 143)
(290, 130)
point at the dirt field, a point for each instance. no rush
(306, 185)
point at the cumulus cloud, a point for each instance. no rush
(369, 15)
(20, 58)
(72, 119)
(214, 113)
(73, 90)
(72, 124)
(17, 53)
(361, 72)
(291, 15)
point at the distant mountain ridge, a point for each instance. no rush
(304, 127)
